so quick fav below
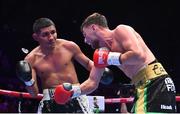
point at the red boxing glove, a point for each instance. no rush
(100, 57)
(63, 93)
(103, 57)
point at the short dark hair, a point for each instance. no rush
(95, 18)
(41, 23)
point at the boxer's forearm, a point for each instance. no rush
(90, 65)
(63, 93)
(132, 57)
(88, 87)
(92, 82)
(33, 90)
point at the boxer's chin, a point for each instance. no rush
(95, 44)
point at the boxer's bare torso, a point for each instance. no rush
(56, 67)
(127, 43)
(53, 59)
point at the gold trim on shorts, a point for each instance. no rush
(151, 71)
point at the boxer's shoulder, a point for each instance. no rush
(65, 42)
(32, 55)
(121, 26)
(70, 45)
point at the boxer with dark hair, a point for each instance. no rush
(52, 61)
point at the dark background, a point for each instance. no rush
(156, 21)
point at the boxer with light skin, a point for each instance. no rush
(126, 49)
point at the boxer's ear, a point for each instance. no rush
(35, 37)
(93, 26)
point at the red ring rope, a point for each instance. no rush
(39, 96)
(19, 94)
(119, 100)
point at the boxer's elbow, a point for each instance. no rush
(139, 56)
(142, 57)
(34, 94)
(90, 65)
(133, 57)
(33, 91)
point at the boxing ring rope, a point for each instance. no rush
(19, 94)
(40, 96)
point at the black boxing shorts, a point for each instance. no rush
(50, 106)
(154, 94)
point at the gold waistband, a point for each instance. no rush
(151, 71)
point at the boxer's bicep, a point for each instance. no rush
(30, 60)
(81, 58)
(96, 74)
(33, 90)
(130, 44)
(34, 76)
